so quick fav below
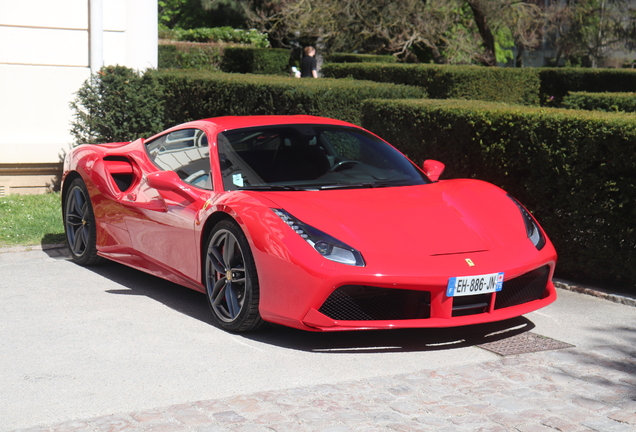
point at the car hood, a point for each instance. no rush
(450, 217)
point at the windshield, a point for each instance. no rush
(309, 157)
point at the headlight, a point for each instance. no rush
(532, 229)
(327, 246)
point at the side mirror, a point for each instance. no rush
(163, 180)
(170, 181)
(433, 169)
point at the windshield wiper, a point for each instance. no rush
(270, 188)
(359, 185)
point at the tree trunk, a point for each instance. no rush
(489, 57)
(519, 59)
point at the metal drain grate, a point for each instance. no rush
(524, 343)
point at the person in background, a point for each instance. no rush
(308, 68)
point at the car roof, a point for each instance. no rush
(234, 122)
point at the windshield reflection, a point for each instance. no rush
(311, 157)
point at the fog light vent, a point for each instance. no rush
(368, 303)
(523, 289)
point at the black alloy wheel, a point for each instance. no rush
(79, 224)
(230, 279)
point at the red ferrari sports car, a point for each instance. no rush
(307, 222)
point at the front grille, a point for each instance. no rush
(367, 303)
(523, 289)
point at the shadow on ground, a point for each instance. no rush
(194, 304)
(399, 340)
(50, 239)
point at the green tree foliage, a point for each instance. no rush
(584, 31)
(455, 31)
(486, 31)
(369, 26)
(267, 16)
(171, 11)
(443, 31)
(512, 24)
(189, 14)
(117, 104)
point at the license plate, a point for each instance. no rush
(472, 285)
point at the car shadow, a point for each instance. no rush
(137, 283)
(396, 340)
(194, 304)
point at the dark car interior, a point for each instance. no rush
(308, 155)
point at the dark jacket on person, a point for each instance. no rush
(308, 65)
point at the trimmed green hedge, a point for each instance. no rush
(575, 169)
(190, 56)
(193, 95)
(610, 102)
(527, 86)
(359, 58)
(556, 83)
(519, 86)
(256, 60)
(217, 34)
(117, 104)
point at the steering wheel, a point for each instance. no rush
(341, 163)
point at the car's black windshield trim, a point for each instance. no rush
(323, 187)
(272, 187)
(364, 185)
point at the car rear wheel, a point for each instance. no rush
(79, 224)
(230, 279)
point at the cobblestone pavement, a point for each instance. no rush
(569, 390)
(565, 390)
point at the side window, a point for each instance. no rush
(185, 152)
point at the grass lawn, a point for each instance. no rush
(27, 220)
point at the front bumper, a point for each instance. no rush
(328, 302)
(355, 307)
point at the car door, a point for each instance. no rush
(161, 223)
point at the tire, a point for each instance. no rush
(231, 281)
(79, 225)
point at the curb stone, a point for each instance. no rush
(624, 299)
(10, 249)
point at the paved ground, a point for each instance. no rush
(112, 349)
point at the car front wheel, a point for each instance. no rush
(79, 224)
(230, 279)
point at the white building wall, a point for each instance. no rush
(141, 50)
(44, 59)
